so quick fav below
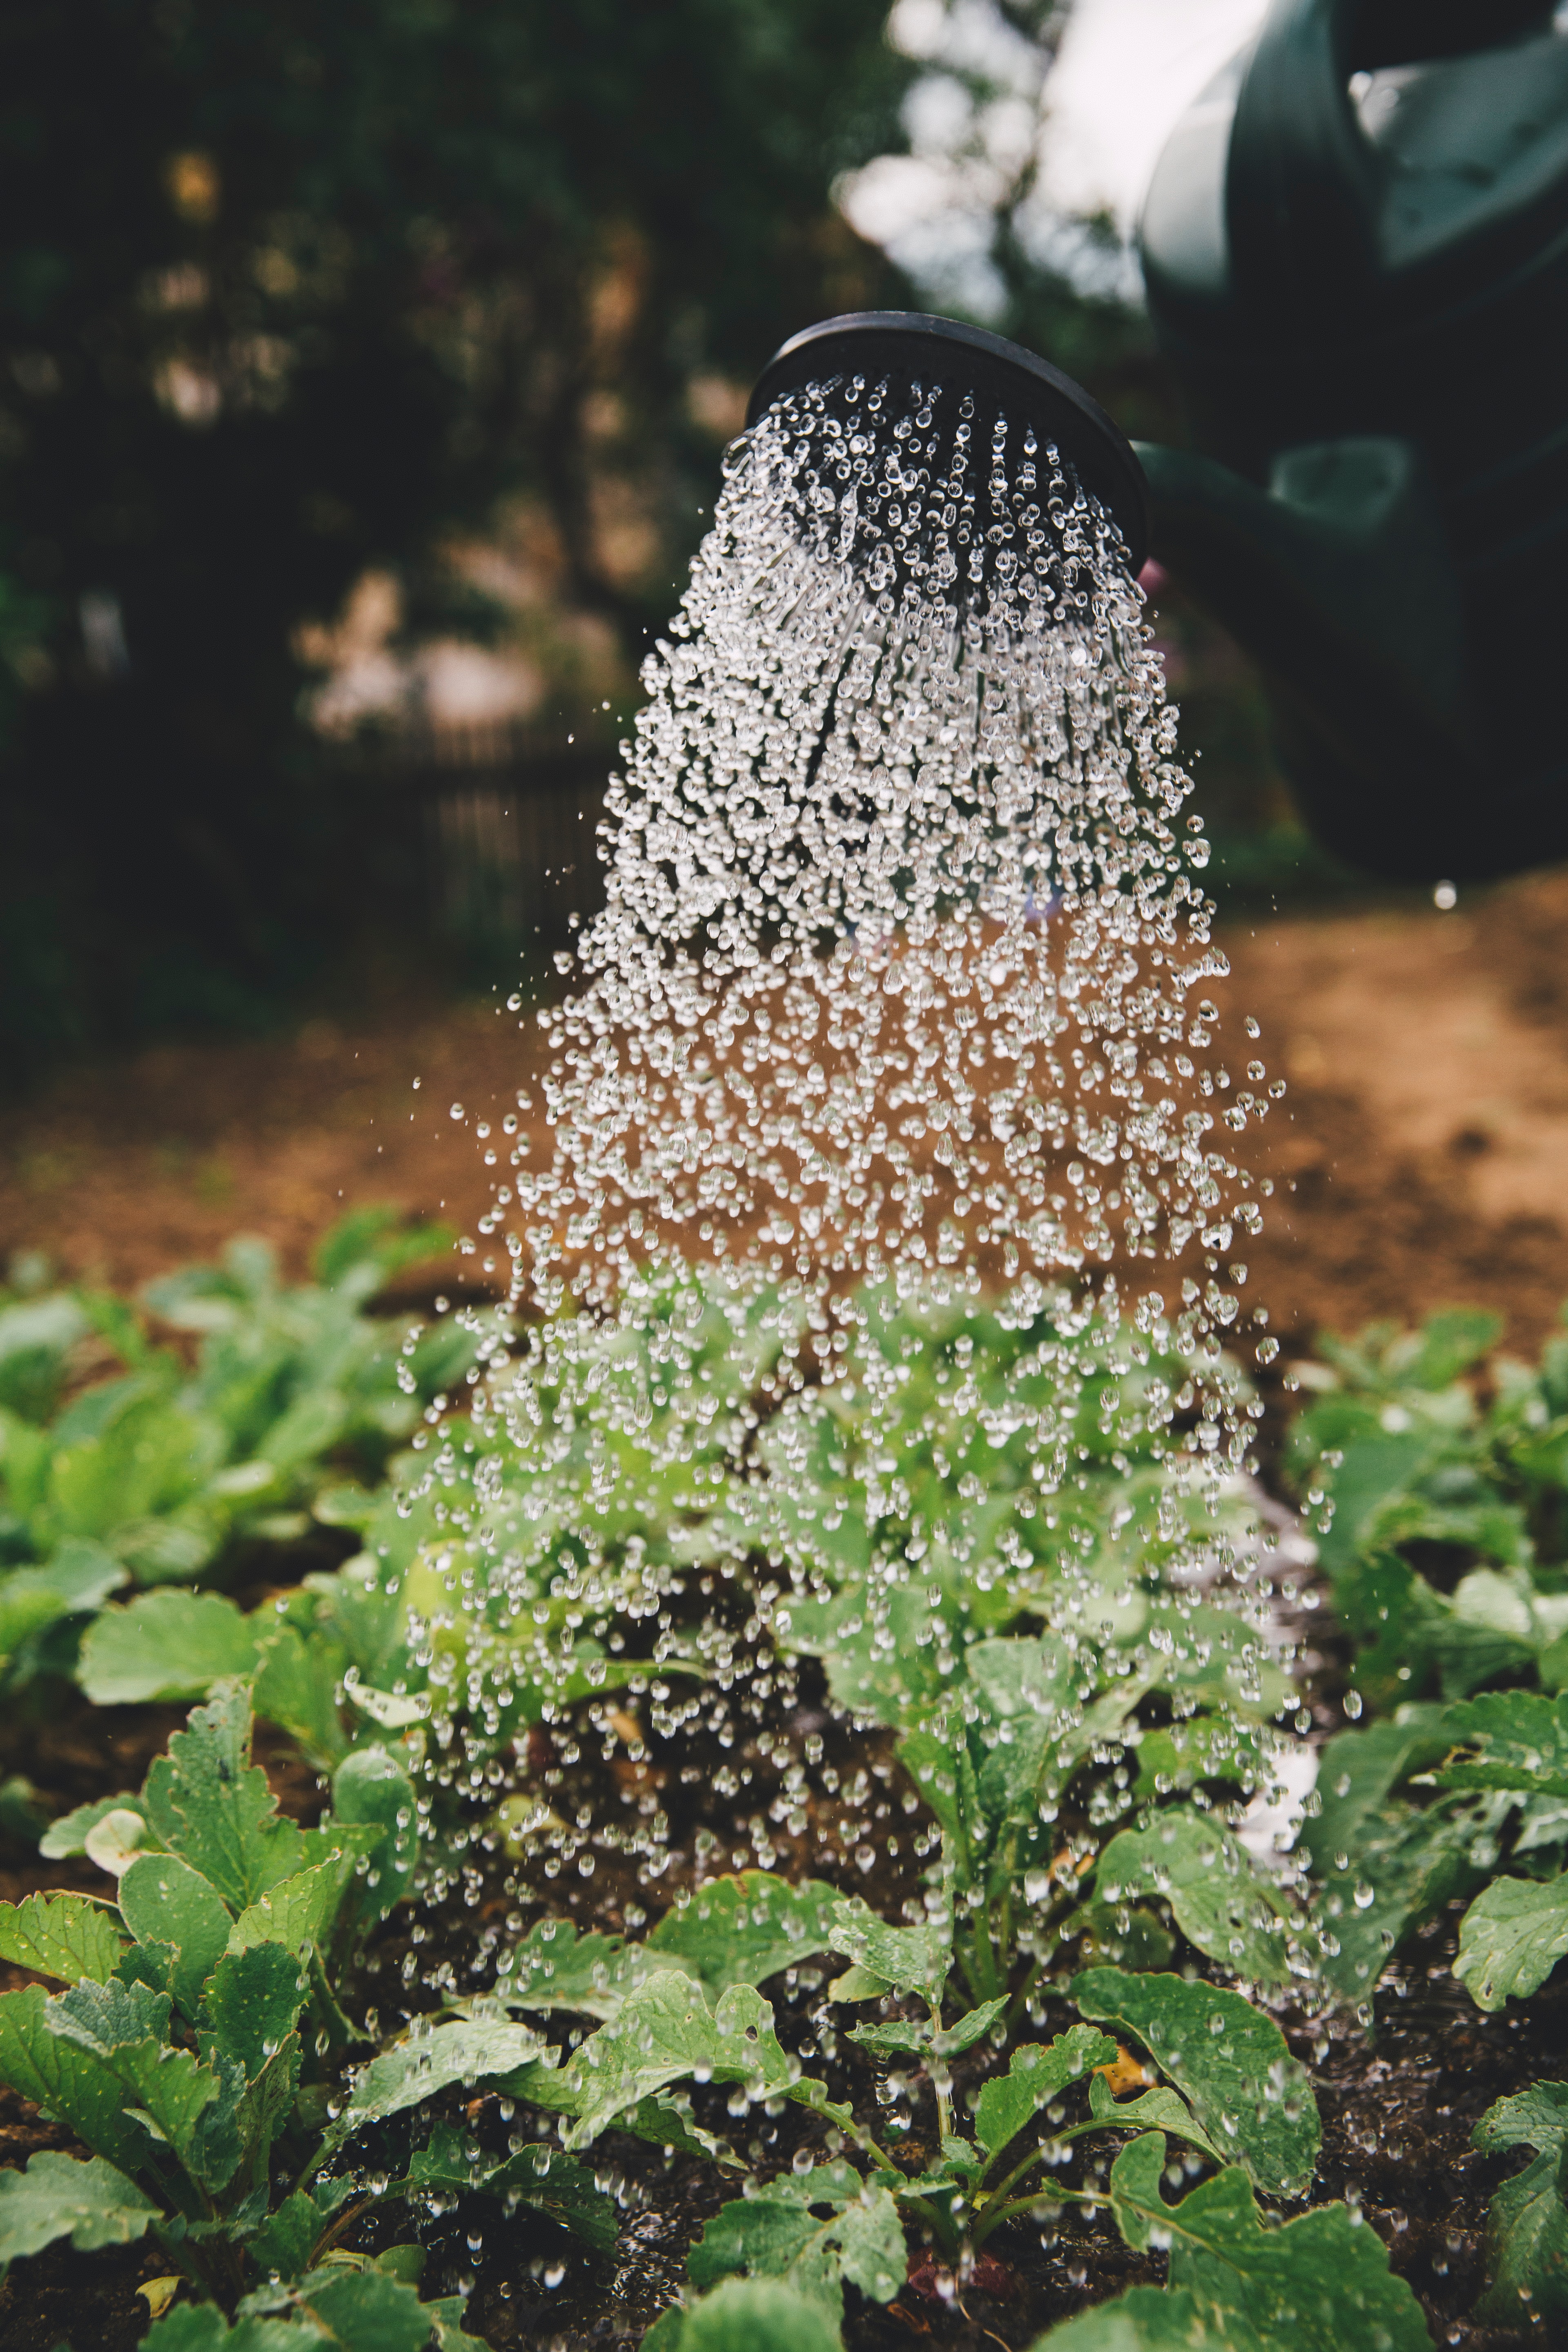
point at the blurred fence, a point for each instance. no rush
(501, 821)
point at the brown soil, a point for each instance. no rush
(1420, 1154)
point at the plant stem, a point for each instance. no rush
(1016, 2005)
(940, 2081)
(995, 2218)
(338, 2224)
(996, 2202)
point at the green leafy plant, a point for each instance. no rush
(1442, 1509)
(1527, 2223)
(196, 2005)
(198, 2045)
(684, 2008)
(155, 1477)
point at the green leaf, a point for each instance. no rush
(1036, 2073)
(1536, 2119)
(254, 2002)
(1527, 2221)
(68, 1835)
(202, 2328)
(369, 1789)
(366, 2311)
(936, 1770)
(1511, 1937)
(909, 1960)
(79, 1577)
(555, 1967)
(297, 1912)
(119, 1839)
(59, 2196)
(1360, 1771)
(1156, 2110)
(415, 2071)
(67, 2079)
(1318, 2283)
(754, 2316)
(216, 1808)
(125, 2028)
(297, 1688)
(1412, 1863)
(163, 1900)
(1521, 1741)
(67, 1936)
(283, 2245)
(906, 2033)
(665, 2033)
(541, 2178)
(1230, 2062)
(265, 2105)
(165, 1645)
(365, 1248)
(776, 2235)
(1027, 1688)
(1219, 1901)
(1153, 2319)
(743, 1929)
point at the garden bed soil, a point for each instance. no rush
(1420, 1155)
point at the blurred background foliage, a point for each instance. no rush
(364, 370)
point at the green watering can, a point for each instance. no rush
(1355, 246)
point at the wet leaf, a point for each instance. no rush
(909, 1960)
(776, 2234)
(1360, 1771)
(542, 2177)
(1410, 1863)
(743, 1929)
(416, 2070)
(365, 2311)
(752, 2316)
(1153, 2319)
(210, 1804)
(1527, 2221)
(93, 2204)
(1158, 2110)
(126, 2028)
(1218, 1899)
(1318, 2283)
(1229, 2060)
(297, 1912)
(67, 2079)
(1035, 2076)
(666, 2033)
(916, 2033)
(66, 1936)
(554, 1966)
(371, 1789)
(253, 2003)
(1516, 1739)
(163, 1900)
(1511, 1937)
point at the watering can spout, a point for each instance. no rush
(1337, 578)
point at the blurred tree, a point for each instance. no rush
(285, 292)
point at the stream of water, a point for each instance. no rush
(900, 998)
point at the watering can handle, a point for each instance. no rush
(1304, 183)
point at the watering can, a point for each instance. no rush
(1355, 248)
